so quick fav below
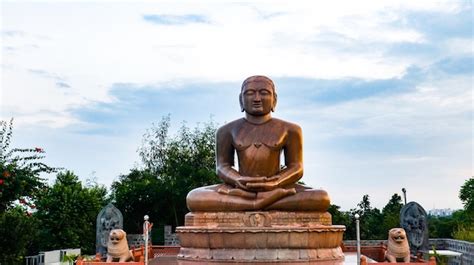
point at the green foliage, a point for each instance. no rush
(70, 258)
(461, 224)
(465, 229)
(370, 220)
(464, 232)
(20, 170)
(391, 213)
(173, 167)
(441, 227)
(17, 228)
(137, 194)
(441, 260)
(466, 194)
(338, 217)
(67, 214)
(20, 185)
(374, 224)
(341, 218)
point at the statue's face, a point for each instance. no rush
(258, 98)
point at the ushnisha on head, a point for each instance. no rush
(258, 95)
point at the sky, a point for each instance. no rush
(383, 90)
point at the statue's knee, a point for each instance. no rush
(322, 200)
(192, 199)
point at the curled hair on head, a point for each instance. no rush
(257, 78)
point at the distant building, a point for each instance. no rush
(441, 212)
(54, 257)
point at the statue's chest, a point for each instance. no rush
(256, 137)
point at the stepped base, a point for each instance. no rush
(260, 237)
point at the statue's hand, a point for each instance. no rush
(266, 186)
(270, 183)
(243, 181)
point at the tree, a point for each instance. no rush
(20, 170)
(370, 220)
(465, 225)
(465, 219)
(391, 213)
(466, 194)
(138, 193)
(20, 185)
(441, 227)
(340, 218)
(67, 213)
(173, 166)
(460, 225)
(17, 229)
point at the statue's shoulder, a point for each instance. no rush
(228, 127)
(289, 126)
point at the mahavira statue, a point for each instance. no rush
(260, 182)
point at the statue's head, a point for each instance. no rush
(257, 96)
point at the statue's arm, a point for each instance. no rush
(225, 157)
(293, 151)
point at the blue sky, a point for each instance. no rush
(382, 89)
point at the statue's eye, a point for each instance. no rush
(249, 93)
(264, 92)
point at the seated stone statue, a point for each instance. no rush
(260, 182)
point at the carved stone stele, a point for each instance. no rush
(109, 218)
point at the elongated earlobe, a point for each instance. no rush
(275, 97)
(242, 109)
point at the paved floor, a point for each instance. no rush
(350, 259)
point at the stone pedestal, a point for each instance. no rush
(272, 236)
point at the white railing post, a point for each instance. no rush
(358, 238)
(146, 226)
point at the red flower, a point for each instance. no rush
(1, 181)
(6, 174)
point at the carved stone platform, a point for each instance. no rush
(260, 237)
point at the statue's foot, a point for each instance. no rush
(266, 198)
(291, 191)
(237, 192)
(303, 200)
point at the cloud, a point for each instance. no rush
(175, 19)
(62, 85)
(456, 65)
(12, 33)
(45, 74)
(333, 91)
(60, 81)
(383, 91)
(193, 102)
(440, 25)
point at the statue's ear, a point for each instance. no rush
(274, 102)
(241, 103)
